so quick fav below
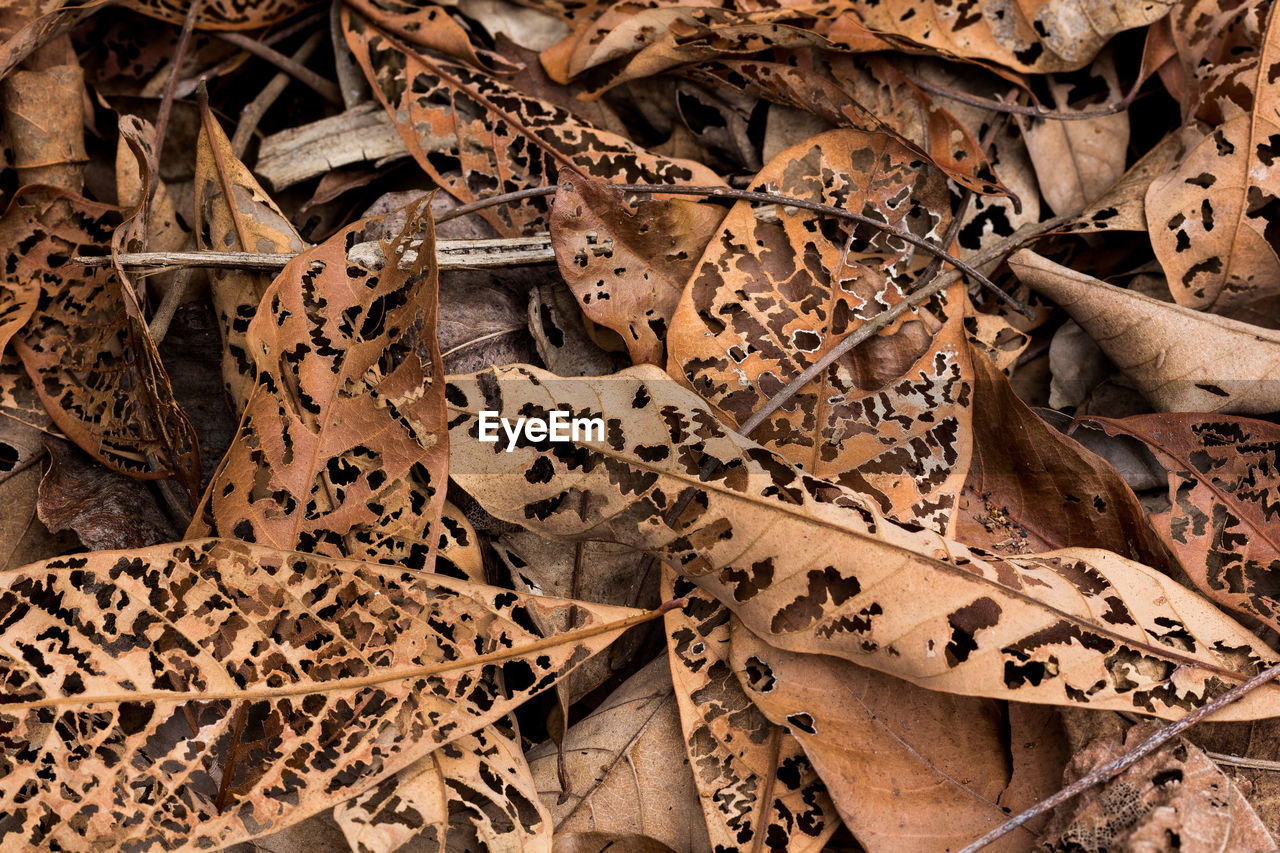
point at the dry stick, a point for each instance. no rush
(188, 85)
(168, 307)
(257, 108)
(325, 88)
(756, 198)
(162, 117)
(1113, 768)
(1018, 109)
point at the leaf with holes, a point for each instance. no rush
(234, 214)
(812, 567)
(628, 265)
(189, 696)
(222, 14)
(773, 294)
(477, 136)
(342, 449)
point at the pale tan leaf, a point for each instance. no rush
(184, 696)
(812, 567)
(1183, 360)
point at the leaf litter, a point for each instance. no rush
(794, 536)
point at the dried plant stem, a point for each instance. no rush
(258, 107)
(1019, 109)
(326, 89)
(1241, 761)
(173, 297)
(1113, 768)
(733, 194)
(166, 107)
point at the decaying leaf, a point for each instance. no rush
(1223, 482)
(1174, 799)
(342, 448)
(628, 265)
(628, 767)
(474, 793)
(757, 788)
(562, 337)
(811, 567)
(44, 121)
(773, 294)
(234, 689)
(1183, 360)
(234, 214)
(222, 14)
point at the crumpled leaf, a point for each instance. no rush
(1174, 799)
(249, 222)
(773, 294)
(342, 449)
(561, 336)
(472, 794)
(628, 767)
(812, 567)
(44, 124)
(756, 786)
(1181, 359)
(628, 265)
(476, 136)
(235, 688)
(1216, 217)
(1223, 486)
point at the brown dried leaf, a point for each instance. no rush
(627, 768)
(606, 842)
(1181, 359)
(342, 449)
(1123, 206)
(1215, 218)
(1223, 487)
(475, 793)
(1174, 799)
(756, 786)
(812, 567)
(44, 123)
(222, 14)
(189, 696)
(560, 333)
(476, 135)
(108, 511)
(628, 265)
(909, 769)
(773, 294)
(250, 223)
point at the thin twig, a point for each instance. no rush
(327, 89)
(1241, 761)
(173, 297)
(257, 108)
(188, 84)
(733, 194)
(1019, 109)
(1113, 768)
(162, 117)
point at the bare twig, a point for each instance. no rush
(257, 108)
(733, 194)
(173, 297)
(1019, 109)
(162, 117)
(327, 89)
(1241, 761)
(1113, 768)
(188, 84)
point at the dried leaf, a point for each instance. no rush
(563, 341)
(222, 14)
(1181, 359)
(628, 265)
(1174, 799)
(232, 689)
(756, 786)
(1123, 206)
(812, 567)
(475, 793)
(342, 449)
(628, 768)
(1222, 487)
(606, 842)
(476, 135)
(234, 214)
(44, 122)
(772, 295)
(1214, 217)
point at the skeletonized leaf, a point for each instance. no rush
(773, 294)
(342, 449)
(476, 135)
(902, 777)
(234, 214)
(628, 265)
(187, 696)
(757, 788)
(1181, 359)
(627, 766)
(1214, 218)
(475, 793)
(812, 567)
(1224, 485)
